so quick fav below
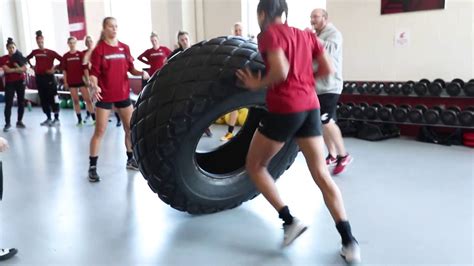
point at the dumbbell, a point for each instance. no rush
(466, 118)
(350, 87)
(432, 115)
(389, 87)
(469, 89)
(362, 88)
(436, 87)
(371, 111)
(376, 88)
(421, 88)
(385, 113)
(408, 87)
(345, 110)
(346, 86)
(400, 114)
(358, 110)
(416, 114)
(454, 87)
(449, 116)
(394, 88)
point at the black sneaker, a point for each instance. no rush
(7, 128)
(56, 123)
(132, 165)
(6, 254)
(47, 123)
(93, 176)
(20, 124)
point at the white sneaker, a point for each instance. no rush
(292, 232)
(351, 253)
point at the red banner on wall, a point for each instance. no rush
(77, 18)
(400, 6)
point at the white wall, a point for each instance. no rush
(134, 21)
(441, 41)
(95, 11)
(134, 24)
(220, 16)
(472, 36)
(8, 25)
(49, 16)
(299, 12)
(166, 19)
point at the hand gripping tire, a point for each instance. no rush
(193, 90)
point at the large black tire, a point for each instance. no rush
(194, 89)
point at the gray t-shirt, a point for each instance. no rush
(332, 40)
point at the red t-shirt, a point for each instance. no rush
(72, 64)
(296, 93)
(110, 65)
(156, 58)
(44, 60)
(11, 77)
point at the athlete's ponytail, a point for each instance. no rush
(272, 9)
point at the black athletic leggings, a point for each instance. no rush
(10, 89)
(47, 91)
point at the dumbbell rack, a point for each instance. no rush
(406, 123)
(383, 91)
(382, 95)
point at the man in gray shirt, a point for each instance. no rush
(329, 90)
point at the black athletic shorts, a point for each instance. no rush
(77, 86)
(121, 104)
(328, 102)
(283, 127)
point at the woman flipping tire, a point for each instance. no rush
(180, 102)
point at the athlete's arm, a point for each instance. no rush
(279, 68)
(325, 66)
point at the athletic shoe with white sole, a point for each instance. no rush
(56, 123)
(46, 123)
(342, 162)
(292, 231)
(93, 176)
(6, 254)
(227, 137)
(351, 253)
(132, 165)
(331, 161)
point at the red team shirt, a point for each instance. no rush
(44, 60)
(11, 77)
(296, 93)
(156, 58)
(73, 65)
(110, 65)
